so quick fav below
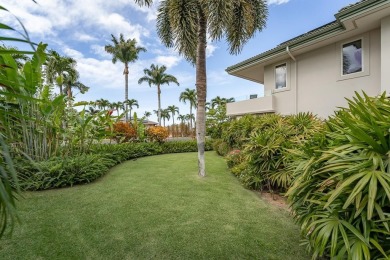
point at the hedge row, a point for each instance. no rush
(60, 172)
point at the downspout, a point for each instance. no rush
(296, 77)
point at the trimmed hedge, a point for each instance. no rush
(62, 172)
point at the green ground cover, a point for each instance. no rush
(153, 207)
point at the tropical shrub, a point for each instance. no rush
(63, 171)
(157, 134)
(86, 167)
(341, 188)
(234, 158)
(223, 148)
(265, 147)
(236, 132)
(123, 132)
(184, 146)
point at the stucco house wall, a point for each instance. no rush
(314, 64)
(321, 88)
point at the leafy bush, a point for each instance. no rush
(84, 168)
(62, 172)
(236, 132)
(157, 134)
(184, 146)
(223, 149)
(341, 196)
(234, 158)
(123, 132)
(265, 141)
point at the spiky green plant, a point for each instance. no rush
(341, 191)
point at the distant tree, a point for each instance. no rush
(173, 110)
(126, 51)
(130, 103)
(118, 106)
(190, 118)
(147, 114)
(186, 25)
(165, 115)
(218, 101)
(71, 81)
(103, 103)
(144, 2)
(156, 76)
(189, 95)
(58, 67)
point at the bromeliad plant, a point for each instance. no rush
(341, 191)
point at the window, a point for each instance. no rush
(352, 57)
(281, 76)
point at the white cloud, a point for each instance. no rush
(210, 49)
(278, 2)
(54, 17)
(168, 61)
(83, 37)
(99, 50)
(73, 53)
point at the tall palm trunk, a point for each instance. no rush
(201, 84)
(191, 116)
(159, 106)
(69, 96)
(173, 125)
(126, 72)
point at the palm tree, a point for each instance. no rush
(189, 118)
(182, 119)
(184, 25)
(144, 2)
(117, 106)
(190, 96)
(71, 80)
(218, 101)
(126, 51)
(173, 110)
(103, 103)
(58, 67)
(130, 103)
(165, 115)
(156, 76)
(147, 114)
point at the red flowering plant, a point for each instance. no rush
(234, 158)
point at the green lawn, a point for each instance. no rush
(154, 207)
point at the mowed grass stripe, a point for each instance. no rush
(153, 208)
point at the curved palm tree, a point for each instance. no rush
(165, 115)
(184, 25)
(190, 96)
(58, 67)
(156, 76)
(182, 119)
(130, 103)
(144, 2)
(117, 106)
(71, 80)
(103, 103)
(126, 51)
(218, 101)
(147, 114)
(173, 110)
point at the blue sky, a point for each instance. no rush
(80, 29)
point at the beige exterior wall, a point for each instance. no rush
(285, 100)
(251, 106)
(385, 50)
(315, 83)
